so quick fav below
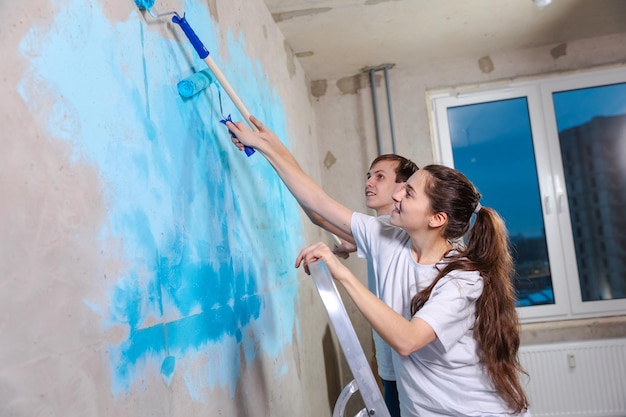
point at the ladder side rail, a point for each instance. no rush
(348, 341)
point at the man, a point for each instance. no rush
(386, 176)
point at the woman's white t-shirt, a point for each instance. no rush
(444, 378)
(393, 274)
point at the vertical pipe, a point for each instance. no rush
(375, 105)
(393, 135)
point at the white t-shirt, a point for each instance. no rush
(393, 274)
(444, 378)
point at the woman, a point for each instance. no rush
(455, 350)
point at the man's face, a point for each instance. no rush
(381, 185)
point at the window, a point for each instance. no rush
(550, 156)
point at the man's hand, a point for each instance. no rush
(344, 249)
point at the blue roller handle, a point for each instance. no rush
(202, 53)
(247, 149)
(191, 35)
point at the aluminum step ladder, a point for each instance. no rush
(364, 380)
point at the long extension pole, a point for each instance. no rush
(203, 53)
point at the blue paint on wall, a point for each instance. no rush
(168, 365)
(208, 235)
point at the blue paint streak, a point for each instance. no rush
(208, 235)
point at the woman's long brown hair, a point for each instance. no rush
(497, 326)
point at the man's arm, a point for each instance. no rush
(309, 195)
(344, 243)
(318, 220)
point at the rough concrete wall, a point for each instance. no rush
(344, 112)
(146, 265)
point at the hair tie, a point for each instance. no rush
(477, 209)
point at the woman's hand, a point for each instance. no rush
(320, 251)
(242, 135)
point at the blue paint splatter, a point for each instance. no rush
(167, 367)
(209, 236)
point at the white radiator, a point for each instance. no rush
(584, 379)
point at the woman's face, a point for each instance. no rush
(412, 210)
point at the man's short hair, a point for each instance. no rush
(405, 167)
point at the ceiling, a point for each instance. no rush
(337, 38)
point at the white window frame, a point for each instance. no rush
(538, 92)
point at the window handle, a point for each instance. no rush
(546, 204)
(558, 184)
(559, 203)
(548, 182)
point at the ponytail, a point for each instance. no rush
(497, 325)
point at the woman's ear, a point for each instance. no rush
(438, 219)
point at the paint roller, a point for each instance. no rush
(203, 53)
(195, 83)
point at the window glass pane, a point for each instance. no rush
(592, 136)
(492, 146)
